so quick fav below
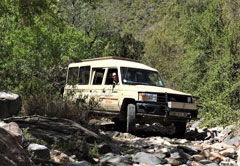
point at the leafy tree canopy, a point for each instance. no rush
(37, 43)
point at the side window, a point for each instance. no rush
(72, 76)
(84, 74)
(109, 79)
(98, 77)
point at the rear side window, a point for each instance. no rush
(98, 77)
(72, 76)
(84, 74)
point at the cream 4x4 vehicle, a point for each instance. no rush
(138, 96)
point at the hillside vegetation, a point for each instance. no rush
(194, 44)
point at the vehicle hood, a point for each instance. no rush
(152, 89)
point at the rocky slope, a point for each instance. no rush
(77, 145)
(216, 146)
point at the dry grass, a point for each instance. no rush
(55, 107)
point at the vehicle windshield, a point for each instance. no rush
(136, 76)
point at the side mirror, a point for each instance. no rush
(114, 85)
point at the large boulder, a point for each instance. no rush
(10, 104)
(54, 130)
(12, 153)
(39, 151)
(13, 129)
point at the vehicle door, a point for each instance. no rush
(96, 87)
(110, 92)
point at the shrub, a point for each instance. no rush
(53, 106)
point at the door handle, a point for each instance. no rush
(104, 90)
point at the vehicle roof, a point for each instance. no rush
(111, 62)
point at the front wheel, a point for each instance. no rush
(180, 128)
(131, 116)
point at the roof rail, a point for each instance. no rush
(109, 57)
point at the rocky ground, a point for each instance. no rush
(148, 146)
(200, 146)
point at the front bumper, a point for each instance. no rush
(171, 111)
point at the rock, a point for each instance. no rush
(238, 158)
(235, 141)
(216, 129)
(183, 141)
(80, 163)
(206, 153)
(216, 155)
(228, 163)
(205, 162)
(198, 157)
(150, 159)
(54, 130)
(114, 148)
(61, 157)
(196, 123)
(160, 155)
(164, 150)
(174, 162)
(221, 145)
(10, 104)
(175, 155)
(227, 130)
(212, 164)
(39, 151)
(106, 157)
(189, 150)
(226, 133)
(104, 148)
(114, 159)
(196, 134)
(12, 153)
(228, 152)
(186, 156)
(14, 129)
(119, 159)
(194, 163)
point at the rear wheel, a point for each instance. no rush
(180, 128)
(131, 116)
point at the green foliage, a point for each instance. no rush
(194, 44)
(32, 58)
(26, 134)
(124, 46)
(93, 151)
(29, 138)
(198, 49)
(37, 44)
(137, 17)
(105, 32)
(162, 52)
(76, 145)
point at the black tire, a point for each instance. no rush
(131, 116)
(180, 129)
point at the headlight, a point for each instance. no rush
(147, 97)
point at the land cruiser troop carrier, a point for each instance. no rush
(130, 92)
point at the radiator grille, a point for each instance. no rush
(164, 97)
